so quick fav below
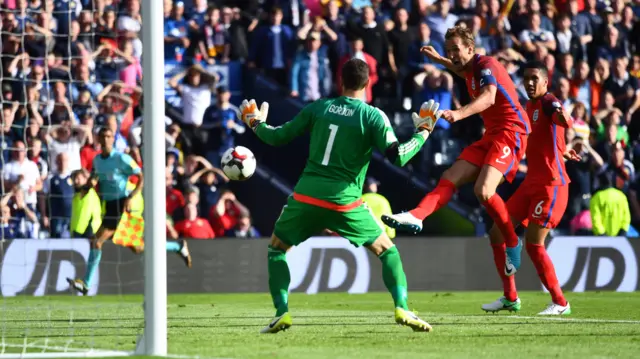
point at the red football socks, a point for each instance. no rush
(508, 283)
(498, 211)
(435, 199)
(546, 272)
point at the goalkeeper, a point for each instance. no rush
(344, 132)
(112, 170)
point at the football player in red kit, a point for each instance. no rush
(541, 199)
(488, 161)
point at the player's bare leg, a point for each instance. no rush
(462, 172)
(279, 280)
(95, 254)
(509, 301)
(535, 237)
(485, 189)
(396, 282)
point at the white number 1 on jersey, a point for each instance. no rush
(332, 137)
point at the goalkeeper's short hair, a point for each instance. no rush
(355, 75)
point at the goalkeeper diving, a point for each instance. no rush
(344, 132)
(112, 169)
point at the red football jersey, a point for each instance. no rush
(506, 113)
(547, 144)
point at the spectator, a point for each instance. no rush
(86, 210)
(175, 199)
(59, 189)
(619, 169)
(612, 47)
(377, 203)
(7, 230)
(192, 197)
(581, 24)
(236, 36)
(222, 120)
(567, 41)
(23, 216)
(196, 98)
(625, 89)
(35, 155)
(357, 51)
(22, 176)
(374, 38)
(226, 213)
(310, 77)
(211, 38)
(61, 138)
(610, 212)
(8, 114)
(400, 40)
(208, 181)
(271, 48)
(129, 25)
(441, 20)
(193, 226)
(243, 228)
(83, 82)
(580, 171)
(293, 11)
(418, 62)
(534, 34)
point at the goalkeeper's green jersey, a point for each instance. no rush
(344, 132)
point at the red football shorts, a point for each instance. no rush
(502, 150)
(542, 205)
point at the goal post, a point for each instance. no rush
(64, 325)
(154, 153)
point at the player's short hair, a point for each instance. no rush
(355, 74)
(537, 65)
(464, 33)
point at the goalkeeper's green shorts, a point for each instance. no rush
(299, 221)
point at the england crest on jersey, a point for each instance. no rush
(535, 115)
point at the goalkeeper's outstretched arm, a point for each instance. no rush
(274, 136)
(401, 153)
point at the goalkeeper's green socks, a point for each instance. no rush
(279, 279)
(92, 265)
(394, 278)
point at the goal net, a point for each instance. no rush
(69, 67)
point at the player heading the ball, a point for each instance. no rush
(344, 132)
(540, 201)
(488, 161)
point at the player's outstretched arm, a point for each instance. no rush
(559, 116)
(275, 136)
(424, 121)
(431, 53)
(485, 100)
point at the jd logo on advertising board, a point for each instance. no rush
(328, 264)
(594, 263)
(40, 267)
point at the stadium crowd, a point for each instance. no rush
(70, 67)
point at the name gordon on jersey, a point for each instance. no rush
(341, 110)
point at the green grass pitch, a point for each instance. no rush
(604, 325)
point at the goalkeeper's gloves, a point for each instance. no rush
(427, 117)
(251, 115)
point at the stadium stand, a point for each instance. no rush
(70, 67)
